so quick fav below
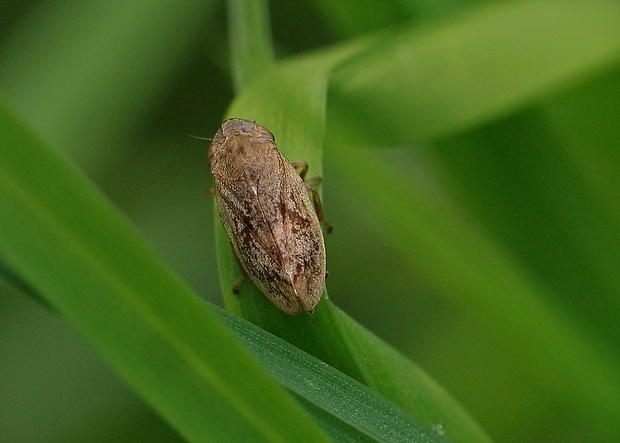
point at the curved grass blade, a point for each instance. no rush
(60, 235)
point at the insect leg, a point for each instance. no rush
(318, 206)
(239, 282)
(311, 183)
(301, 168)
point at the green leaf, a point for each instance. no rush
(488, 253)
(340, 404)
(417, 84)
(61, 235)
(423, 83)
(470, 269)
(290, 100)
(86, 262)
(250, 40)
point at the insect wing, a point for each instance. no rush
(253, 220)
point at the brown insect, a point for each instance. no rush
(266, 209)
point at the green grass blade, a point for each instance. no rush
(251, 48)
(297, 120)
(350, 407)
(419, 84)
(470, 269)
(347, 410)
(60, 235)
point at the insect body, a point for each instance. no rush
(267, 212)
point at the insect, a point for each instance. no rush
(272, 216)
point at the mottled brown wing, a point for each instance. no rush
(251, 211)
(305, 249)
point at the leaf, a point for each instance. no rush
(63, 238)
(290, 100)
(348, 407)
(250, 40)
(418, 84)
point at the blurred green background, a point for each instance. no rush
(529, 192)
